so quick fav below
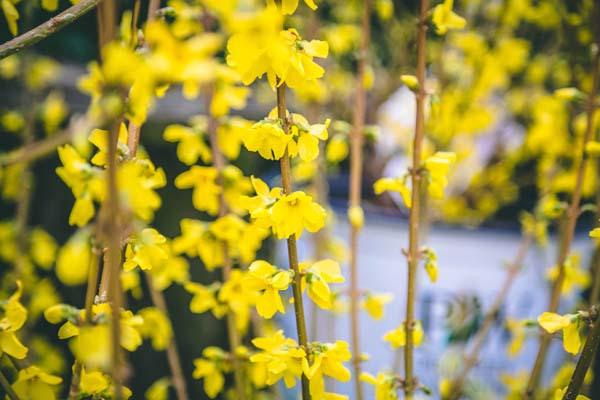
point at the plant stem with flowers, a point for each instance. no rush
(286, 183)
(356, 167)
(415, 213)
(572, 215)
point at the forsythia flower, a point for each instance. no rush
(191, 144)
(517, 331)
(337, 149)
(85, 182)
(211, 367)
(438, 166)
(282, 55)
(374, 304)
(268, 139)
(145, 249)
(445, 19)
(11, 14)
(205, 299)
(574, 276)
(289, 6)
(569, 324)
(281, 356)
(356, 216)
(100, 138)
(269, 280)
(12, 318)
(137, 181)
(393, 185)
(386, 385)
(73, 260)
(397, 337)
(559, 394)
(156, 326)
(34, 384)
(326, 359)
(316, 278)
(206, 190)
(294, 212)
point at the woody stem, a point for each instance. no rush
(286, 182)
(414, 216)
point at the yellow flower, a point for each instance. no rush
(206, 190)
(515, 384)
(156, 326)
(12, 121)
(145, 249)
(73, 260)
(230, 135)
(326, 359)
(269, 280)
(191, 144)
(268, 139)
(438, 166)
(393, 185)
(93, 382)
(137, 181)
(43, 248)
(569, 324)
(12, 318)
(204, 299)
(238, 299)
(11, 14)
(397, 337)
(574, 276)
(295, 212)
(173, 269)
(159, 390)
(374, 304)
(517, 331)
(211, 368)
(289, 6)
(386, 385)
(356, 216)
(316, 278)
(559, 394)
(54, 111)
(34, 384)
(280, 356)
(445, 19)
(410, 81)
(100, 138)
(430, 263)
(337, 149)
(283, 56)
(84, 180)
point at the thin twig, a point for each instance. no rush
(355, 194)
(35, 150)
(413, 235)
(572, 214)
(232, 331)
(46, 29)
(158, 299)
(286, 182)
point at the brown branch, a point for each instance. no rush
(356, 170)
(232, 332)
(46, 29)
(572, 214)
(286, 182)
(414, 216)
(158, 299)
